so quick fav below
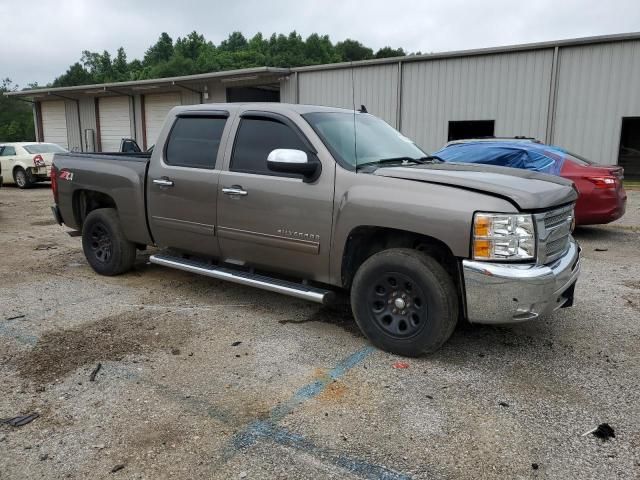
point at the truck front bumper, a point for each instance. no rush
(508, 293)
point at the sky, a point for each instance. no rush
(41, 39)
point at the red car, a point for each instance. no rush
(602, 198)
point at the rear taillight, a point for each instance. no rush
(38, 161)
(54, 183)
(603, 182)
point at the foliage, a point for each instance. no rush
(195, 54)
(16, 117)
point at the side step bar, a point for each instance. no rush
(292, 289)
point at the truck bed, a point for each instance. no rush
(120, 177)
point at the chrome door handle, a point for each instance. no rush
(235, 190)
(163, 182)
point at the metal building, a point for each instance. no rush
(580, 94)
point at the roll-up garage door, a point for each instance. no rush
(115, 122)
(156, 108)
(54, 122)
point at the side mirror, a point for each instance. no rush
(286, 160)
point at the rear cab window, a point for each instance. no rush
(194, 141)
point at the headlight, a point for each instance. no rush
(503, 236)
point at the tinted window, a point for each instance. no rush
(194, 142)
(44, 148)
(8, 151)
(461, 130)
(256, 138)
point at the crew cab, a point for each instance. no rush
(310, 201)
(27, 163)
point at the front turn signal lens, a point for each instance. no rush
(482, 226)
(503, 236)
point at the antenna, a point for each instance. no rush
(353, 102)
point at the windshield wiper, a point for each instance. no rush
(420, 161)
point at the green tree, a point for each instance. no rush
(16, 116)
(386, 52)
(192, 46)
(161, 51)
(120, 66)
(352, 50)
(76, 74)
(234, 43)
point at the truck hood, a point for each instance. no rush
(528, 190)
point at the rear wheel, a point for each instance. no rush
(405, 302)
(22, 178)
(105, 246)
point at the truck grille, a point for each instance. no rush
(554, 233)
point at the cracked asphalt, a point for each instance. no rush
(205, 379)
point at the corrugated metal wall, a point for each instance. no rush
(137, 106)
(87, 121)
(73, 126)
(373, 86)
(288, 89)
(188, 97)
(597, 86)
(510, 88)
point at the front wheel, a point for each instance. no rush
(105, 246)
(405, 302)
(22, 178)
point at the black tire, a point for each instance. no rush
(22, 178)
(403, 277)
(106, 248)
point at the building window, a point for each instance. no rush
(461, 130)
(629, 155)
(253, 94)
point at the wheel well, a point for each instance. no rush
(15, 169)
(363, 242)
(85, 201)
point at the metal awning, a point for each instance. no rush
(195, 83)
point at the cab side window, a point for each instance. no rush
(256, 138)
(194, 142)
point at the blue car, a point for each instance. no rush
(527, 154)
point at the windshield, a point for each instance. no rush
(374, 139)
(44, 148)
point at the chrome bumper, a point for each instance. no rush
(508, 293)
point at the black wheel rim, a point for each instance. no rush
(398, 305)
(101, 244)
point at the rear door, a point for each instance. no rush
(182, 183)
(268, 219)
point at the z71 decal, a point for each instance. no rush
(65, 175)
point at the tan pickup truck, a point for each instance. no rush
(308, 201)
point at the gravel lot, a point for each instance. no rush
(206, 379)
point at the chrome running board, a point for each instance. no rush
(285, 287)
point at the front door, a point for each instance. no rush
(182, 184)
(273, 220)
